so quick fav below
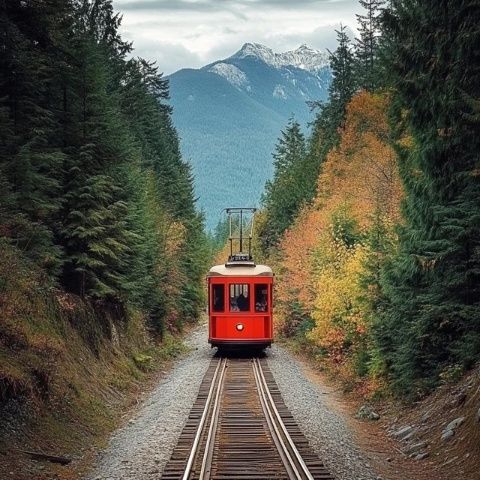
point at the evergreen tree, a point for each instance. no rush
(343, 84)
(432, 287)
(30, 154)
(285, 194)
(94, 229)
(367, 65)
(331, 115)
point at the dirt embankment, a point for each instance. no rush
(68, 372)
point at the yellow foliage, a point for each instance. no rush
(337, 312)
(317, 270)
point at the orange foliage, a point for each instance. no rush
(318, 273)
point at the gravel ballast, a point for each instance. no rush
(326, 431)
(140, 449)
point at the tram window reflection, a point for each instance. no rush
(218, 298)
(261, 297)
(239, 297)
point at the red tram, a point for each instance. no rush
(240, 297)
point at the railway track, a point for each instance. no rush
(240, 429)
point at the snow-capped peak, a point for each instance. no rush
(231, 73)
(303, 57)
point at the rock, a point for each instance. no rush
(415, 448)
(446, 434)
(426, 416)
(449, 430)
(459, 399)
(408, 437)
(403, 432)
(367, 412)
(455, 423)
(421, 456)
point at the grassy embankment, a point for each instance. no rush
(68, 369)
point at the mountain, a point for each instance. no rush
(229, 115)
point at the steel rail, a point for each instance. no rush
(210, 443)
(193, 453)
(287, 460)
(277, 419)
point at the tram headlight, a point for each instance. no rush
(240, 327)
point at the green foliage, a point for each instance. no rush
(93, 187)
(30, 155)
(285, 194)
(331, 116)
(431, 288)
(368, 67)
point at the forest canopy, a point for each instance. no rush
(378, 265)
(95, 198)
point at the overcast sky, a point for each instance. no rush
(193, 33)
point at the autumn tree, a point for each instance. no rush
(329, 260)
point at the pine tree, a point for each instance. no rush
(30, 154)
(432, 287)
(369, 75)
(286, 193)
(343, 84)
(94, 230)
(331, 115)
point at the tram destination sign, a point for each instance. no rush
(240, 257)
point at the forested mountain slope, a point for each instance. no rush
(101, 246)
(377, 247)
(229, 114)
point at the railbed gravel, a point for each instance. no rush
(326, 431)
(140, 449)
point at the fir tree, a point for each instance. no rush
(331, 115)
(343, 84)
(367, 65)
(432, 287)
(285, 194)
(30, 154)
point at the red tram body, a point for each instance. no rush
(240, 305)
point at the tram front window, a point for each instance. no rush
(239, 297)
(218, 296)
(261, 304)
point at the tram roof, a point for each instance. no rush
(240, 271)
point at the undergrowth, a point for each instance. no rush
(67, 362)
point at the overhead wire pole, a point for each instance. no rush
(239, 256)
(241, 231)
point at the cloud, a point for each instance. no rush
(170, 57)
(170, 5)
(322, 38)
(215, 5)
(192, 33)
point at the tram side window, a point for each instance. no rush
(261, 296)
(239, 297)
(218, 298)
